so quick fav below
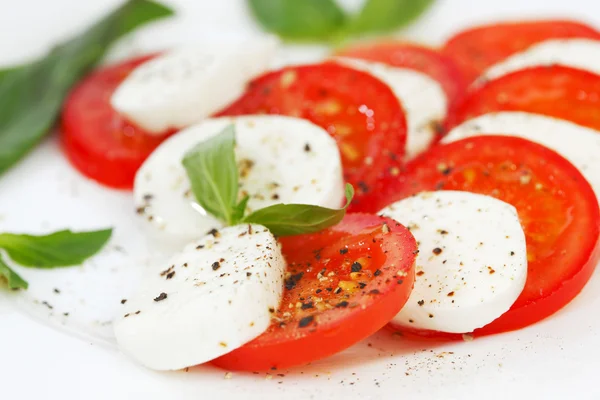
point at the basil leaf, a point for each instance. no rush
(6, 71)
(299, 19)
(239, 210)
(386, 15)
(31, 95)
(213, 174)
(13, 280)
(58, 249)
(296, 219)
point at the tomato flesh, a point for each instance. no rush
(423, 59)
(476, 49)
(556, 91)
(358, 110)
(98, 141)
(557, 208)
(342, 285)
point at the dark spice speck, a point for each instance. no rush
(293, 280)
(304, 322)
(161, 297)
(356, 266)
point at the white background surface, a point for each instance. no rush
(558, 358)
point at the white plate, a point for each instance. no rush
(557, 358)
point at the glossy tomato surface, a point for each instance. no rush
(98, 141)
(342, 285)
(556, 205)
(423, 59)
(359, 111)
(476, 49)
(560, 92)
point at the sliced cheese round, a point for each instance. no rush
(472, 261)
(578, 144)
(280, 160)
(184, 86)
(581, 54)
(423, 99)
(211, 298)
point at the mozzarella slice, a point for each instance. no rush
(281, 160)
(575, 53)
(423, 99)
(578, 144)
(472, 261)
(213, 297)
(184, 86)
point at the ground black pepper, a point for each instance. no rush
(356, 266)
(161, 297)
(304, 322)
(293, 280)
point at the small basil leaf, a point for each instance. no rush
(13, 279)
(58, 249)
(6, 71)
(213, 174)
(239, 210)
(296, 219)
(31, 95)
(386, 15)
(299, 19)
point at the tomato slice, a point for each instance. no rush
(342, 285)
(423, 59)
(476, 49)
(556, 205)
(358, 110)
(556, 91)
(98, 141)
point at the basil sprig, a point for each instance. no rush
(380, 16)
(299, 20)
(31, 95)
(59, 249)
(325, 20)
(213, 174)
(13, 280)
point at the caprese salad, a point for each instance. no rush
(445, 193)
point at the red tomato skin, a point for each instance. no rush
(262, 354)
(556, 91)
(333, 97)
(429, 61)
(554, 296)
(478, 48)
(96, 140)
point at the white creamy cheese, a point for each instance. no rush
(472, 261)
(184, 86)
(281, 160)
(581, 54)
(423, 99)
(211, 298)
(578, 144)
